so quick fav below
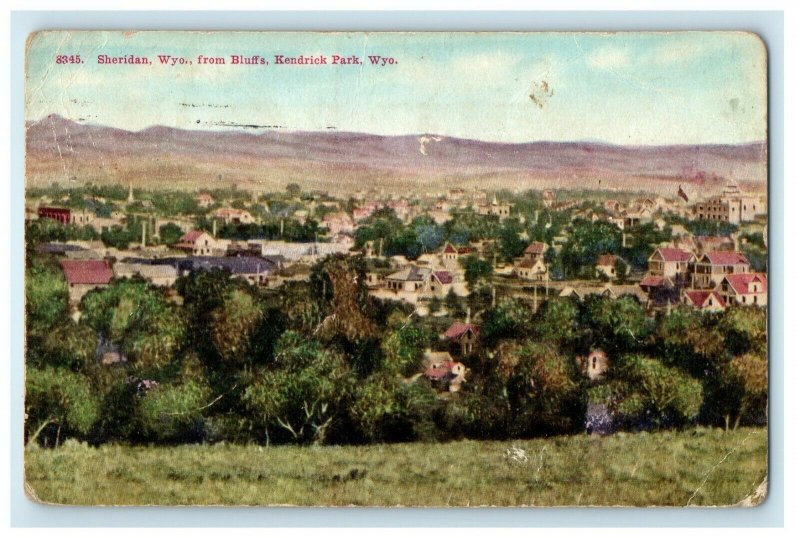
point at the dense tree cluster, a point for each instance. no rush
(323, 362)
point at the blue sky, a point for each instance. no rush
(623, 88)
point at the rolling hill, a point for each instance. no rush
(64, 151)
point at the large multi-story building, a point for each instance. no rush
(731, 206)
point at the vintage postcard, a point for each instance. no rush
(396, 269)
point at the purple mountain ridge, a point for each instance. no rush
(59, 149)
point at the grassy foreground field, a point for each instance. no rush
(699, 467)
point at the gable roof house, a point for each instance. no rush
(409, 279)
(744, 289)
(535, 251)
(204, 200)
(452, 253)
(711, 267)
(236, 216)
(447, 375)
(705, 300)
(671, 263)
(529, 269)
(337, 222)
(85, 275)
(463, 335)
(197, 243)
(606, 265)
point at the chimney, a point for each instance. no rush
(214, 227)
(469, 315)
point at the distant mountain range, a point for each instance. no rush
(64, 151)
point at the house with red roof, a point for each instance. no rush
(607, 266)
(670, 263)
(744, 289)
(528, 269)
(711, 268)
(705, 300)
(204, 200)
(613, 206)
(196, 243)
(452, 253)
(535, 251)
(338, 222)
(447, 375)
(85, 275)
(232, 215)
(463, 336)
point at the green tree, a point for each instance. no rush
(386, 409)
(510, 319)
(543, 392)
(403, 348)
(337, 283)
(60, 398)
(475, 270)
(138, 317)
(746, 376)
(173, 412)
(169, 233)
(556, 322)
(69, 345)
(621, 271)
(119, 237)
(586, 242)
(744, 329)
(46, 295)
(668, 395)
(510, 239)
(298, 398)
(294, 190)
(233, 324)
(616, 325)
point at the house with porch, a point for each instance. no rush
(709, 270)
